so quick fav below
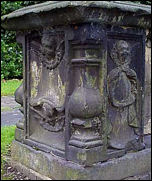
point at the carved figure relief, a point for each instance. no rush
(122, 91)
(52, 51)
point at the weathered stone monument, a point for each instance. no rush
(83, 90)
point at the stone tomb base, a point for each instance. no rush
(56, 168)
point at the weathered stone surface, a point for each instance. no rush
(147, 140)
(84, 87)
(39, 14)
(145, 176)
(19, 134)
(55, 167)
(47, 6)
(31, 174)
(19, 95)
(87, 157)
(147, 100)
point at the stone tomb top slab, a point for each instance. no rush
(70, 12)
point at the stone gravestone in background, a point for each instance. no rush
(83, 89)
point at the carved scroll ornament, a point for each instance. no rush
(51, 117)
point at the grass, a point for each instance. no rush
(8, 87)
(7, 136)
(5, 109)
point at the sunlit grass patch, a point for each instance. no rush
(7, 136)
(8, 87)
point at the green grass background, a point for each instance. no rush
(8, 87)
(7, 136)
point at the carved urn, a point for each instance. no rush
(83, 87)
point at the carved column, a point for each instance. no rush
(86, 104)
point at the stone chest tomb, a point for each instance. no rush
(83, 90)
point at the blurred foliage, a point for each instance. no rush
(11, 52)
(143, 2)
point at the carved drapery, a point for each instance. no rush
(122, 91)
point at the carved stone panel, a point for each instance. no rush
(124, 86)
(86, 102)
(47, 87)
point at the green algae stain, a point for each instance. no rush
(91, 81)
(81, 156)
(72, 175)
